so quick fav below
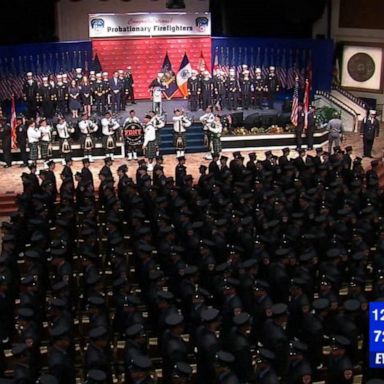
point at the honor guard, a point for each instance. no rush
(45, 139)
(87, 128)
(245, 88)
(180, 124)
(34, 136)
(116, 88)
(232, 90)
(107, 91)
(30, 88)
(206, 90)
(78, 74)
(92, 77)
(207, 120)
(133, 135)
(129, 86)
(194, 90)
(149, 145)
(219, 90)
(215, 130)
(99, 94)
(64, 131)
(44, 97)
(272, 85)
(371, 130)
(258, 88)
(109, 125)
(62, 96)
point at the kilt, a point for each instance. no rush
(61, 142)
(44, 149)
(216, 144)
(105, 142)
(158, 138)
(179, 140)
(207, 139)
(82, 141)
(150, 151)
(33, 151)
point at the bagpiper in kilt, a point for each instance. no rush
(149, 145)
(207, 119)
(34, 136)
(180, 123)
(158, 122)
(64, 131)
(45, 138)
(87, 128)
(215, 129)
(109, 127)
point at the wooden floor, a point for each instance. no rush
(10, 181)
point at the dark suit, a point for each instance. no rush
(21, 137)
(311, 126)
(371, 129)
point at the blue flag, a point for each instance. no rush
(169, 78)
(96, 65)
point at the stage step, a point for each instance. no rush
(7, 203)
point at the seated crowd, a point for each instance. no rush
(260, 272)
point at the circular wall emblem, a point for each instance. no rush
(361, 67)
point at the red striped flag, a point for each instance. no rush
(306, 100)
(295, 103)
(13, 123)
(216, 62)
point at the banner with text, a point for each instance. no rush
(149, 24)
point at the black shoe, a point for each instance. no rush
(133, 102)
(6, 166)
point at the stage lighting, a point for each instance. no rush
(175, 4)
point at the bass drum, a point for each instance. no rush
(133, 133)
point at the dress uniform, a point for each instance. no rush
(271, 86)
(21, 139)
(224, 374)
(370, 130)
(61, 95)
(180, 171)
(109, 127)
(206, 90)
(220, 92)
(232, 90)
(45, 97)
(194, 90)
(311, 127)
(245, 89)
(239, 346)
(139, 370)
(129, 86)
(30, 88)
(340, 368)
(258, 88)
(265, 373)
(6, 142)
(99, 94)
(300, 126)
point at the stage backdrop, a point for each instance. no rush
(146, 56)
(303, 57)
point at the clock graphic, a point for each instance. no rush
(361, 67)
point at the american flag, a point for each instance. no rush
(216, 61)
(306, 100)
(295, 103)
(13, 124)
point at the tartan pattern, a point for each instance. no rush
(179, 140)
(82, 141)
(33, 151)
(105, 140)
(150, 151)
(216, 144)
(44, 149)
